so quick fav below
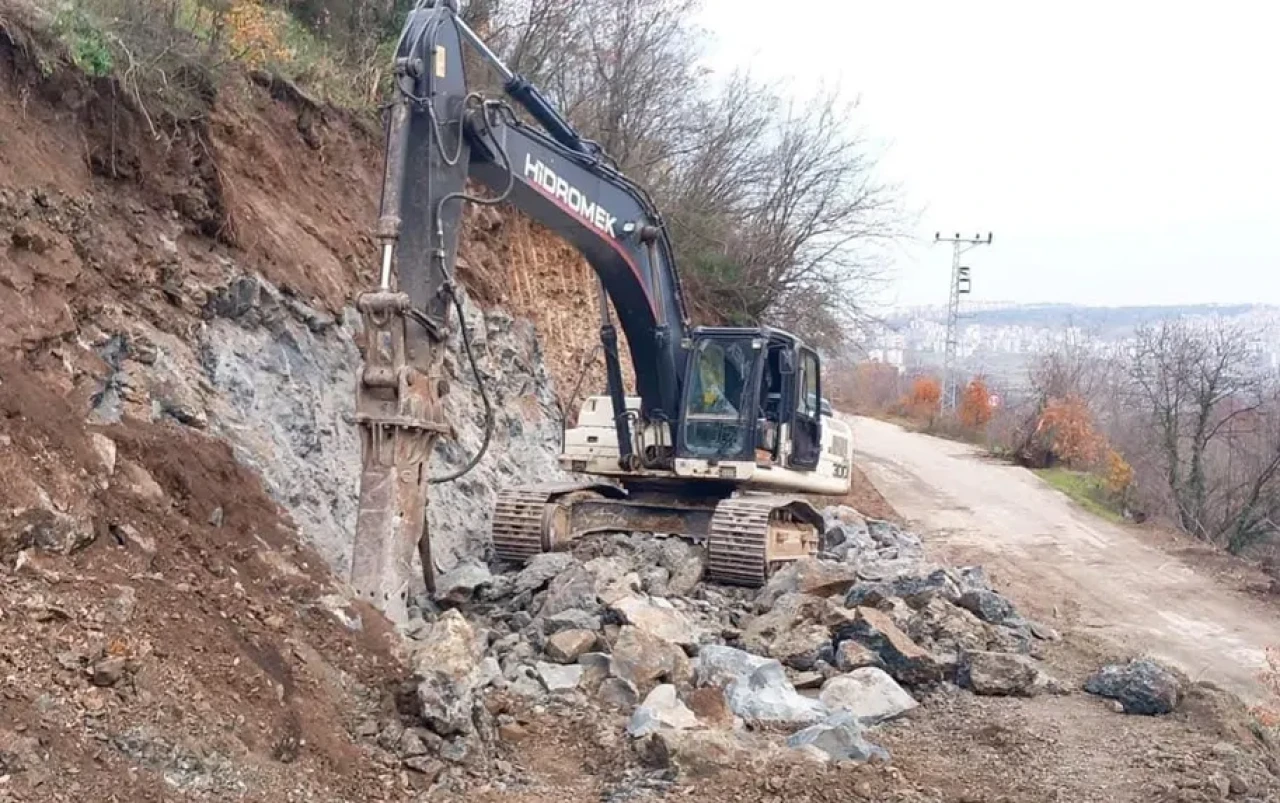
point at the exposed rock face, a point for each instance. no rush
(1142, 686)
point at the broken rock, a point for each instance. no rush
(657, 617)
(567, 645)
(711, 707)
(840, 737)
(720, 666)
(661, 708)
(794, 631)
(644, 660)
(905, 660)
(988, 606)
(851, 655)
(558, 677)
(575, 588)
(1141, 686)
(869, 694)
(820, 578)
(766, 696)
(617, 692)
(1002, 674)
(462, 583)
(540, 570)
(447, 663)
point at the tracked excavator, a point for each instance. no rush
(727, 429)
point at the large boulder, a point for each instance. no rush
(869, 694)
(645, 661)
(838, 737)
(767, 696)
(820, 578)
(905, 660)
(447, 666)
(662, 708)
(1142, 686)
(917, 588)
(657, 617)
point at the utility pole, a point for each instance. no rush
(960, 285)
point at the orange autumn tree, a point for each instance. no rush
(1065, 431)
(975, 406)
(925, 398)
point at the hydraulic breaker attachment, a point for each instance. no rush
(399, 417)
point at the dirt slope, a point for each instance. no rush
(1101, 579)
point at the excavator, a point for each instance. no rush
(727, 430)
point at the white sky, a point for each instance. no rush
(1122, 153)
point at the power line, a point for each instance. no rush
(960, 285)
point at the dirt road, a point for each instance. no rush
(1051, 556)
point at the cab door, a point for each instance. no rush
(806, 425)
(718, 411)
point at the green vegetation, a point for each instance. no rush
(1087, 489)
(86, 41)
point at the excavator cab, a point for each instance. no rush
(750, 396)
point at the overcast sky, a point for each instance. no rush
(1122, 152)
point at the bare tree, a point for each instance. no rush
(1198, 387)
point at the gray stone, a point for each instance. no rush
(661, 708)
(766, 696)
(869, 694)
(840, 737)
(973, 578)
(559, 677)
(905, 660)
(46, 530)
(795, 631)
(1142, 686)
(617, 692)
(447, 663)
(820, 578)
(573, 619)
(565, 646)
(527, 685)
(915, 588)
(575, 588)
(808, 680)
(646, 660)
(540, 570)
(988, 606)
(657, 617)
(462, 582)
(720, 666)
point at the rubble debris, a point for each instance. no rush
(1141, 686)
(566, 646)
(766, 696)
(813, 576)
(988, 606)
(656, 617)
(559, 677)
(463, 582)
(447, 665)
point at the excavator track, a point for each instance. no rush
(751, 535)
(517, 523)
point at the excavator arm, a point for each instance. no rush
(441, 137)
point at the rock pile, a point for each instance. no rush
(830, 648)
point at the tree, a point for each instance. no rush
(1065, 433)
(925, 398)
(975, 406)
